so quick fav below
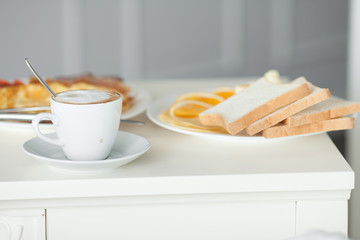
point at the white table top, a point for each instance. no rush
(178, 164)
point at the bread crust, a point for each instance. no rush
(330, 108)
(282, 130)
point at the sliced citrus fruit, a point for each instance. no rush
(206, 97)
(225, 92)
(188, 108)
(192, 124)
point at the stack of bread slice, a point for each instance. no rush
(329, 115)
(276, 109)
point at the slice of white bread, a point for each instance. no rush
(317, 95)
(330, 108)
(282, 130)
(256, 101)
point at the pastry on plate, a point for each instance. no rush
(32, 94)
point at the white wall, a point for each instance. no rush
(353, 137)
(141, 39)
(30, 29)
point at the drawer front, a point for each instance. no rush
(22, 224)
(327, 215)
(224, 220)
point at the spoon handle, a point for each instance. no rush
(39, 77)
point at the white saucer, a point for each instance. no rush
(127, 147)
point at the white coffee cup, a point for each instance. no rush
(86, 123)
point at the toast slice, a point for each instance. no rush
(317, 95)
(282, 130)
(256, 101)
(330, 108)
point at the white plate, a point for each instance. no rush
(141, 101)
(127, 148)
(164, 103)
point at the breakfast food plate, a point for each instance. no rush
(127, 148)
(164, 103)
(140, 102)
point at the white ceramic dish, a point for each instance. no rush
(127, 148)
(142, 100)
(164, 103)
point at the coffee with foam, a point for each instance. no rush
(86, 97)
(86, 123)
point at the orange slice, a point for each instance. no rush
(225, 92)
(192, 124)
(205, 97)
(188, 108)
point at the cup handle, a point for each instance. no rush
(35, 126)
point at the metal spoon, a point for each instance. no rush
(39, 77)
